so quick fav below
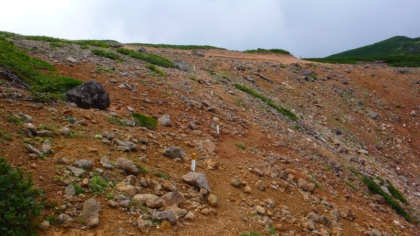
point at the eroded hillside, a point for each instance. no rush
(267, 174)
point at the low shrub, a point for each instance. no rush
(262, 50)
(20, 202)
(396, 194)
(107, 54)
(144, 121)
(376, 189)
(147, 57)
(156, 69)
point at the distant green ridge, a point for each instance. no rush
(395, 46)
(183, 47)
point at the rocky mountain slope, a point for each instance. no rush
(263, 174)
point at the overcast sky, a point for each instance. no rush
(307, 28)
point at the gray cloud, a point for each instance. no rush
(303, 27)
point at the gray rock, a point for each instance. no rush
(375, 232)
(71, 60)
(90, 94)
(64, 219)
(173, 198)
(373, 115)
(126, 146)
(90, 212)
(84, 164)
(34, 150)
(46, 146)
(302, 184)
(142, 50)
(181, 65)
(126, 165)
(106, 163)
(197, 179)
(124, 203)
(378, 198)
(260, 185)
(313, 216)
(165, 120)
(192, 125)
(27, 118)
(144, 225)
(44, 133)
(31, 127)
(64, 131)
(69, 190)
(76, 171)
(168, 215)
(62, 161)
(199, 53)
(236, 182)
(269, 203)
(174, 152)
(149, 200)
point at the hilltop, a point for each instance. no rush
(395, 46)
(304, 148)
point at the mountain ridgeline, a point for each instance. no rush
(398, 51)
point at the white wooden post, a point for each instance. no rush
(193, 157)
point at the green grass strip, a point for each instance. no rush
(148, 57)
(283, 111)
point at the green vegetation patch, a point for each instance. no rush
(107, 54)
(43, 86)
(20, 202)
(183, 47)
(283, 111)
(395, 61)
(98, 185)
(148, 57)
(144, 121)
(376, 189)
(396, 194)
(262, 50)
(156, 69)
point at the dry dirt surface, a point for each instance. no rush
(292, 177)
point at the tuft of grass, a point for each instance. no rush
(161, 175)
(240, 145)
(262, 50)
(156, 69)
(43, 86)
(107, 54)
(283, 111)
(250, 233)
(353, 170)
(14, 119)
(78, 189)
(376, 189)
(116, 121)
(98, 185)
(350, 185)
(110, 196)
(147, 57)
(314, 76)
(317, 185)
(144, 121)
(193, 78)
(396, 194)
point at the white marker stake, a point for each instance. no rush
(194, 67)
(194, 156)
(217, 128)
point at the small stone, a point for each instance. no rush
(69, 190)
(205, 211)
(144, 225)
(165, 120)
(174, 152)
(112, 203)
(212, 200)
(45, 225)
(236, 182)
(197, 179)
(260, 210)
(106, 163)
(260, 185)
(247, 189)
(84, 164)
(189, 216)
(91, 212)
(76, 171)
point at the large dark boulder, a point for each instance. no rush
(90, 94)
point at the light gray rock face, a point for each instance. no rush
(90, 94)
(373, 115)
(174, 152)
(168, 215)
(127, 165)
(46, 146)
(90, 212)
(65, 220)
(236, 182)
(126, 146)
(84, 164)
(197, 179)
(260, 185)
(165, 120)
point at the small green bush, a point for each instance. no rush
(98, 185)
(107, 54)
(314, 76)
(240, 146)
(396, 194)
(284, 111)
(161, 175)
(19, 201)
(144, 121)
(147, 57)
